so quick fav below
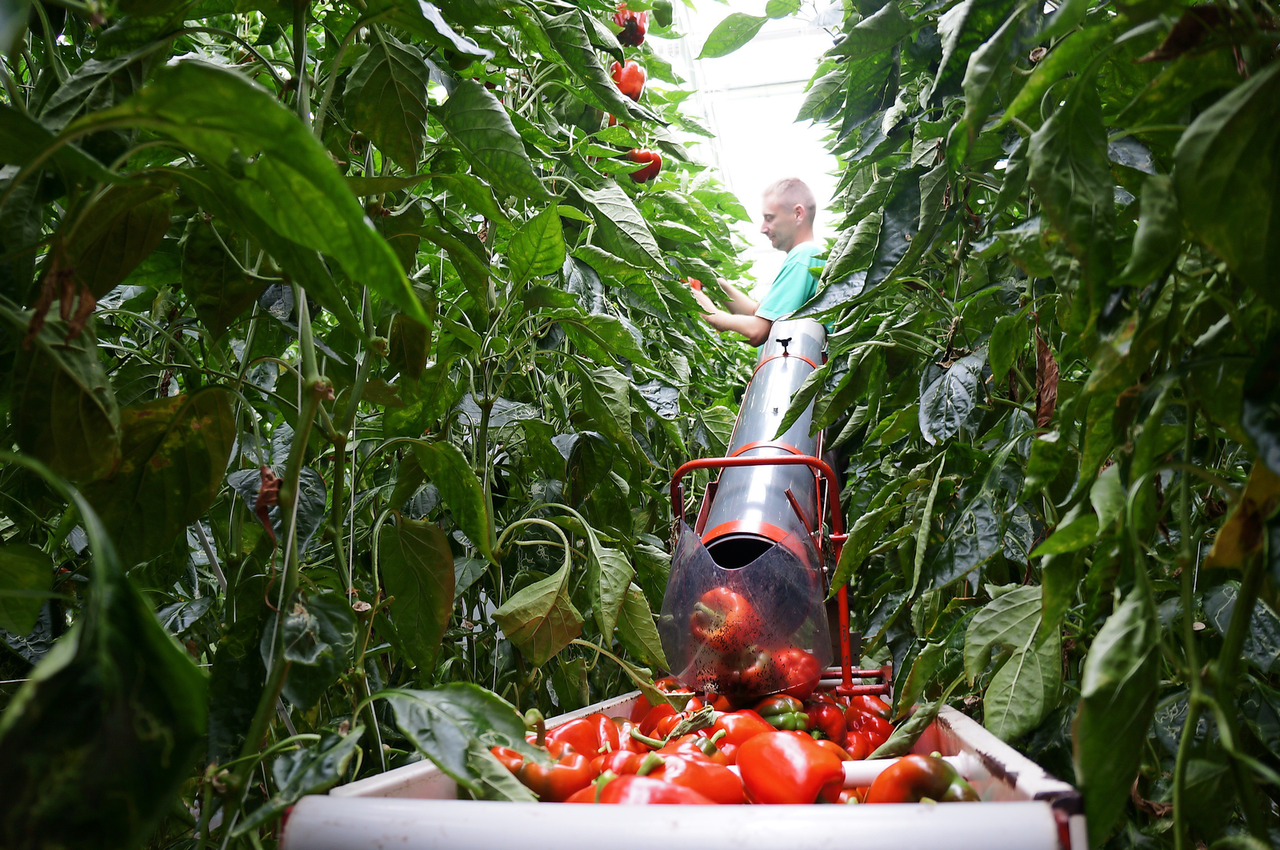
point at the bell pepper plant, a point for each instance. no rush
(787, 767)
(630, 77)
(917, 777)
(634, 26)
(783, 712)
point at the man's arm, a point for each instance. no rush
(754, 328)
(739, 302)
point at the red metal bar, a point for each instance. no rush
(779, 357)
(766, 444)
(795, 506)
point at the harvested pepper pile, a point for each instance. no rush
(786, 749)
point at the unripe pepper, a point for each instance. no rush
(629, 77)
(783, 712)
(915, 777)
(787, 768)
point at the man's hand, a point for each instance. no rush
(704, 302)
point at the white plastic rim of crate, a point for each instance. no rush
(329, 823)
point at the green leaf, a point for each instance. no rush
(730, 34)
(13, 24)
(875, 33)
(238, 128)
(23, 139)
(1227, 167)
(386, 98)
(825, 95)
(606, 400)
(213, 282)
(1067, 56)
(609, 573)
(449, 470)
(952, 403)
(986, 65)
(537, 248)
(1107, 495)
(64, 410)
(1071, 173)
(319, 644)
(312, 770)
(540, 619)
(424, 19)
(174, 454)
(123, 228)
(1075, 534)
(482, 129)
(1008, 339)
(26, 581)
(1009, 620)
(622, 228)
(1159, 236)
(101, 737)
(495, 780)
(963, 29)
(469, 257)
(1025, 689)
(417, 567)
(442, 724)
(1048, 453)
(637, 630)
(1118, 689)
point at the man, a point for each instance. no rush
(788, 212)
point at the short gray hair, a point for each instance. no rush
(793, 190)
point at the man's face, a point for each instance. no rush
(780, 223)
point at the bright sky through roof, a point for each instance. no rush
(750, 99)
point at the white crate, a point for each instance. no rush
(416, 807)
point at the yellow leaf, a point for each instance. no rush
(1244, 530)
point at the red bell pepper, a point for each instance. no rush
(740, 726)
(828, 719)
(634, 26)
(723, 619)
(642, 790)
(700, 745)
(619, 762)
(799, 669)
(857, 745)
(589, 735)
(832, 792)
(876, 728)
(713, 780)
(915, 777)
(757, 674)
(787, 767)
(511, 759)
(555, 783)
(871, 705)
(655, 714)
(625, 739)
(629, 77)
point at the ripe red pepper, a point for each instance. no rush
(857, 745)
(723, 620)
(625, 739)
(828, 719)
(571, 772)
(655, 714)
(634, 26)
(588, 735)
(698, 744)
(871, 705)
(619, 762)
(712, 780)
(787, 767)
(832, 792)
(915, 777)
(650, 171)
(671, 685)
(629, 77)
(799, 669)
(783, 712)
(757, 674)
(876, 728)
(642, 790)
(740, 727)
(510, 759)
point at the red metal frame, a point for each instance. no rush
(826, 475)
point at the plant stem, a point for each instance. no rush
(300, 14)
(1181, 834)
(1228, 668)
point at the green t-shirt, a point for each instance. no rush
(793, 286)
